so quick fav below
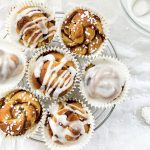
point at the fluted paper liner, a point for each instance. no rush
(81, 142)
(104, 103)
(31, 69)
(14, 80)
(105, 30)
(11, 28)
(32, 130)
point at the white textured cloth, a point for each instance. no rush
(125, 129)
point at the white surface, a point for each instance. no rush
(125, 129)
(145, 114)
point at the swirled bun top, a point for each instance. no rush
(68, 122)
(82, 32)
(34, 26)
(20, 111)
(54, 74)
(103, 81)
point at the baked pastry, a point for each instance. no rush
(10, 65)
(82, 32)
(54, 74)
(20, 111)
(35, 27)
(67, 122)
(103, 82)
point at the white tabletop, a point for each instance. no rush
(125, 129)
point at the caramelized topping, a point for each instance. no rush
(19, 111)
(82, 32)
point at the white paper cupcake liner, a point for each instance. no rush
(14, 80)
(101, 103)
(105, 29)
(32, 130)
(31, 68)
(10, 25)
(79, 144)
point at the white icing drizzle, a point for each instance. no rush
(59, 132)
(38, 23)
(27, 26)
(64, 81)
(103, 82)
(32, 35)
(7, 65)
(27, 12)
(51, 33)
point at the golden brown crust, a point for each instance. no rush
(25, 22)
(37, 82)
(15, 59)
(19, 111)
(70, 110)
(82, 32)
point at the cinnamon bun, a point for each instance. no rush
(54, 74)
(10, 65)
(34, 26)
(82, 32)
(20, 111)
(67, 122)
(105, 82)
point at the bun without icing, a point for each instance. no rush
(20, 111)
(82, 32)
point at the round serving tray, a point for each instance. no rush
(100, 115)
(136, 24)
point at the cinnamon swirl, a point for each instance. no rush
(67, 122)
(82, 32)
(34, 26)
(54, 74)
(105, 82)
(20, 111)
